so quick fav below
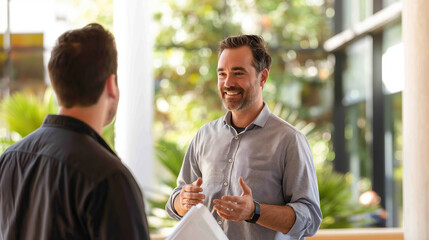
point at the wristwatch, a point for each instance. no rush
(256, 213)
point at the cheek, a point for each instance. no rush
(220, 84)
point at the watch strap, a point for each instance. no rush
(256, 213)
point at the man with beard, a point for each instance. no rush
(63, 181)
(253, 170)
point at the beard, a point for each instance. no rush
(246, 100)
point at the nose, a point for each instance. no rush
(228, 81)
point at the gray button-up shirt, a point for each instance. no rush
(273, 158)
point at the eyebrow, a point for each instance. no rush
(233, 69)
(239, 69)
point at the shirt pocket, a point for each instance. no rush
(264, 177)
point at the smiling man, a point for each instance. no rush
(253, 170)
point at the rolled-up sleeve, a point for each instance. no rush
(169, 207)
(188, 174)
(300, 188)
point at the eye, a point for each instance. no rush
(221, 74)
(238, 73)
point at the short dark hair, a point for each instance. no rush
(261, 57)
(81, 61)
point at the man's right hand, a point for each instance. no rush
(188, 197)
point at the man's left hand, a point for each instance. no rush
(236, 208)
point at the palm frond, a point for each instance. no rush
(24, 112)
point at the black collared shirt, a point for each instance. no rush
(64, 182)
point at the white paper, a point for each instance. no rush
(198, 223)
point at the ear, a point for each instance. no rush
(111, 87)
(264, 77)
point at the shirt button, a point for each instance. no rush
(220, 222)
(230, 160)
(236, 138)
(225, 184)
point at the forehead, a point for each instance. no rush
(235, 57)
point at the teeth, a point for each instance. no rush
(231, 93)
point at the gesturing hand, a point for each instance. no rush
(236, 208)
(189, 196)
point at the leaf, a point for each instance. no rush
(24, 112)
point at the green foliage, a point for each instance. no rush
(4, 144)
(339, 208)
(171, 157)
(24, 112)
(109, 135)
(185, 57)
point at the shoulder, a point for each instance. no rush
(281, 130)
(275, 122)
(215, 124)
(211, 128)
(77, 153)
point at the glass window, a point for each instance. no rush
(393, 82)
(357, 80)
(358, 139)
(393, 60)
(357, 74)
(389, 2)
(355, 12)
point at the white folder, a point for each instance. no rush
(198, 223)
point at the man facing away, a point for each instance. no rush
(253, 170)
(63, 181)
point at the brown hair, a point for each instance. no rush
(80, 63)
(261, 57)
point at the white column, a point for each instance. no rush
(415, 20)
(133, 128)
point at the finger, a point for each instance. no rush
(226, 204)
(223, 211)
(192, 201)
(187, 206)
(189, 195)
(192, 188)
(198, 182)
(236, 199)
(227, 217)
(246, 189)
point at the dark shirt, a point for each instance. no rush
(64, 182)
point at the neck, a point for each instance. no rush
(242, 118)
(89, 115)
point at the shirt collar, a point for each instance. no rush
(260, 120)
(75, 125)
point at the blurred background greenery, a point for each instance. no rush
(300, 89)
(24, 111)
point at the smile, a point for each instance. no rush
(232, 93)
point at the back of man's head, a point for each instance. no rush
(261, 57)
(80, 63)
